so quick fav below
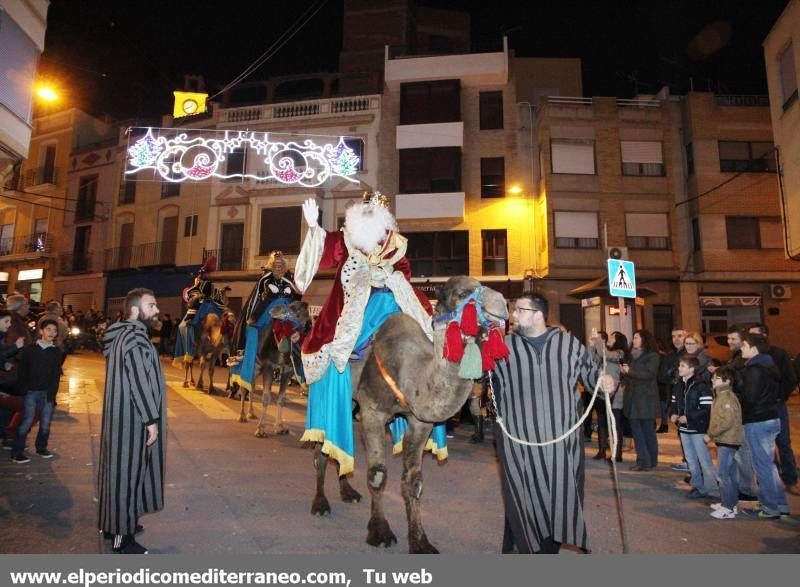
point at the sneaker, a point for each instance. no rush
(7, 444)
(723, 513)
(682, 467)
(694, 494)
(129, 546)
(44, 453)
(20, 458)
(762, 515)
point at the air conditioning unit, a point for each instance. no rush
(617, 252)
(778, 291)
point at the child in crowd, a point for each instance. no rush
(691, 410)
(39, 372)
(726, 431)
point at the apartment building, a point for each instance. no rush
(782, 60)
(456, 151)
(32, 213)
(735, 269)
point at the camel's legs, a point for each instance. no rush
(212, 362)
(186, 368)
(411, 485)
(266, 398)
(203, 363)
(320, 505)
(374, 434)
(251, 413)
(286, 374)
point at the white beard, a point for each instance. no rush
(368, 226)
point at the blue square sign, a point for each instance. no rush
(621, 278)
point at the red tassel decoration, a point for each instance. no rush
(469, 320)
(453, 344)
(497, 345)
(487, 359)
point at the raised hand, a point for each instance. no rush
(311, 212)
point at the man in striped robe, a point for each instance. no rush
(132, 441)
(537, 398)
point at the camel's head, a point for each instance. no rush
(295, 312)
(457, 290)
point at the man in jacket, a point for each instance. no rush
(788, 383)
(760, 387)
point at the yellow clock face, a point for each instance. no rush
(190, 106)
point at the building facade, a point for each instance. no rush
(32, 212)
(782, 60)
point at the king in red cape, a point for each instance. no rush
(371, 283)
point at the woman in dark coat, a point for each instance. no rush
(641, 398)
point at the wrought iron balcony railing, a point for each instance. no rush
(231, 259)
(37, 244)
(70, 263)
(144, 255)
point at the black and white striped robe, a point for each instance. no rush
(537, 397)
(130, 479)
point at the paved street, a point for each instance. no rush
(229, 492)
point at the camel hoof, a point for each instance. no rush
(252, 416)
(421, 546)
(243, 419)
(281, 430)
(192, 382)
(350, 495)
(379, 533)
(212, 391)
(186, 385)
(261, 433)
(320, 506)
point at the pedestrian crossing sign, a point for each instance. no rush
(621, 278)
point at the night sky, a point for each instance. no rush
(126, 58)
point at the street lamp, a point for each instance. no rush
(46, 93)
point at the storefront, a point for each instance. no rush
(29, 283)
(720, 312)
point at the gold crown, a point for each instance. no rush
(375, 199)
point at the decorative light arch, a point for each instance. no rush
(197, 157)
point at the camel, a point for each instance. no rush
(209, 348)
(431, 392)
(275, 354)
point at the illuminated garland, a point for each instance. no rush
(179, 158)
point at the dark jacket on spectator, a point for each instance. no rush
(40, 369)
(668, 379)
(783, 363)
(641, 387)
(758, 389)
(693, 399)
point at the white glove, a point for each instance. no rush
(311, 212)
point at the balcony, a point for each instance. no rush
(71, 264)
(234, 259)
(308, 109)
(31, 245)
(475, 68)
(751, 100)
(145, 255)
(40, 176)
(441, 134)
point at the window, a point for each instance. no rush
(743, 232)
(788, 75)
(190, 226)
(48, 165)
(127, 195)
(87, 197)
(491, 108)
(771, 232)
(642, 158)
(18, 60)
(576, 230)
(80, 248)
(429, 102)
(495, 252)
(689, 159)
(435, 254)
(425, 171)
(170, 189)
(696, 242)
(572, 156)
(647, 231)
(743, 156)
(280, 230)
(357, 145)
(236, 162)
(493, 177)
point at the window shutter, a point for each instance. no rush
(788, 72)
(570, 157)
(576, 225)
(647, 225)
(641, 152)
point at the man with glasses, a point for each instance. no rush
(537, 399)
